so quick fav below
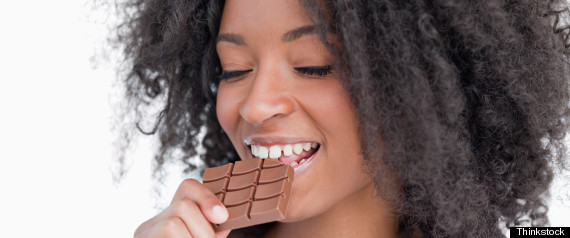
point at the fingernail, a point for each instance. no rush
(220, 213)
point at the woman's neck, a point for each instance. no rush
(360, 215)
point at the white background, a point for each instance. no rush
(57, 105)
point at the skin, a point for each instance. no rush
(274, 103)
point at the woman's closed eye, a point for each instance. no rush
(229, 74)
(315, 71)
(312, 71)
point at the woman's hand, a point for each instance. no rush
(189, 214)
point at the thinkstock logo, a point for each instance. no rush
(539, 232)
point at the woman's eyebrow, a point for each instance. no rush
(297, 33)
(233, 38)
(287, 37)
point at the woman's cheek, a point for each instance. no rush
(227, 110)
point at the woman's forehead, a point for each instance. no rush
(265, 16)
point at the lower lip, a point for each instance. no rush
(300, 168)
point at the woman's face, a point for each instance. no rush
(280, 98)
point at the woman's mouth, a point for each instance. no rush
(292, 154)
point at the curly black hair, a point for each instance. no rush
(465, 103)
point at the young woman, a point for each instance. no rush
(424, 118)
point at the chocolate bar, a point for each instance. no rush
(254, 191)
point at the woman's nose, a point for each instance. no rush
(268, 98)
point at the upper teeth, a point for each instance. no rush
(287, 150)
(298, 148)
(262, 152)
(274, 151)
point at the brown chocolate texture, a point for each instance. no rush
(254, 191)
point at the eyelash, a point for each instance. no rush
(233, 74)
(312, 71)
(315, 71)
